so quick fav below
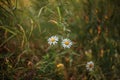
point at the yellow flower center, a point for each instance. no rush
(52, 39)
(67, 43)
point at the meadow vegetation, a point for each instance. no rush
(59, 39)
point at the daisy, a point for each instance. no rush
(53, 40)
(66, 43)
(90, 66)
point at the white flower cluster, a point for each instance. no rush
(66, 43)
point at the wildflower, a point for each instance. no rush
(90, 66)
(67, 59)
(53, 40)
(60, 68)
(66, 43)
(60, 65)
(88, 53)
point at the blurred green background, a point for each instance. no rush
(92, 25)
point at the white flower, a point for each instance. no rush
(90, 66)
(53, 40)
(66, 43)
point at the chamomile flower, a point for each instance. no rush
(53, 40)
(66, 43)
(90, 65)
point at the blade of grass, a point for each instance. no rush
(59, 14)
(7, 29)
(25, 39)
(7, 40)
(40, 11)
(31, 30)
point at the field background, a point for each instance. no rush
(92, 25)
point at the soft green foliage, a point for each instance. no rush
(92, 25)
